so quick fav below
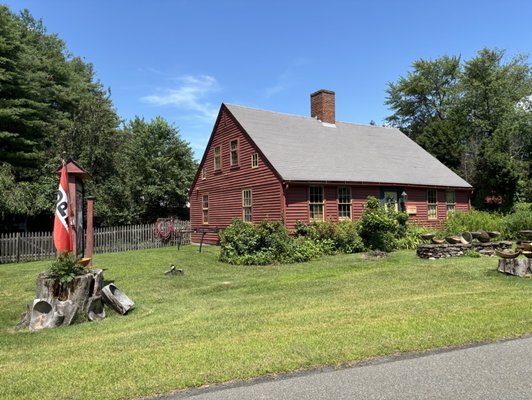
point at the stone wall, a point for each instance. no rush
(456, 250)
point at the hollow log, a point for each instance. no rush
(515, 266)
(95, 309)
(116, 299)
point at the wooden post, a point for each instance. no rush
(17, 244)
(90, 229)
(201, 243)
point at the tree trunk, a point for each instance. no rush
(515, 266)
(59, 304)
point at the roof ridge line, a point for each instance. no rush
(306, 117)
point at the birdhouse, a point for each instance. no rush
(76, 194)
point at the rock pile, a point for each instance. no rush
(433, 251)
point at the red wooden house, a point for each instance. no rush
(261, 164)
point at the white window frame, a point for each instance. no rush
(233, 152)
(342, 203)
(432, 206)
(450, 199)
(255, 160)
(247, 205)
(218, 158)
(316, 205)
(205, 208)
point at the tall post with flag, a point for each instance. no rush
(62, 230)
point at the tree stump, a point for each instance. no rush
(515, 266)
(59, 304)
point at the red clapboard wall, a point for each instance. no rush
(224, 186)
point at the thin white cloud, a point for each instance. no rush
(191, 95)
(286, 79)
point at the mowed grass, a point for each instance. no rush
(220, 322)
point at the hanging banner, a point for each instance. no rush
(62, 234)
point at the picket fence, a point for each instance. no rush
(31, 246)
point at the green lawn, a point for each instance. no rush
(219, 322)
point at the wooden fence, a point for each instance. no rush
(31, 246)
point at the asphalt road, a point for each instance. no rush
(501, 370)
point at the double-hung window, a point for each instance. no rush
(234, 153)
(451, 201)
(205, 208)
(254, 160)
(316, 203)
(247, 205)
(217, 158)
(432, 204)
(344, 203)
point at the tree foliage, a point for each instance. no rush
(159, 167)
(51, 108)
(474, 116)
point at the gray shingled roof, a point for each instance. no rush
(303, 149)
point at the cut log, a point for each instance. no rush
(515, 266)
(116, 299)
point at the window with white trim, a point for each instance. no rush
(205, 208)
(432, 204)
(203, 174)
(450, 198)
(255, 160)
(247, 205)
(344, 203)
(316, 203)
(234, 153)
(217, 158)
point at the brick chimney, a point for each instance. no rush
(322, 106)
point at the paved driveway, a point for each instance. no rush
(501, 370)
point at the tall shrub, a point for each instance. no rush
(269, 242)
(520, 219)
(379, 228)
(472, 221)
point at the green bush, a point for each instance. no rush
(348, 240)
(379, 228)
(269, 242)
(304, 249)
(333, 237)
(520, 219)
(274, 238)
(301, 228)
(65, 268)
(412, 237)
(473, 221)
(237, 241)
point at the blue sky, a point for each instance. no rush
(182, 59)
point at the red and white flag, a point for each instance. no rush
(62, 236)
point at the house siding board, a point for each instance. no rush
(331, 203)
(442, 205)
(462, 201)
(297, 202)
(359, 197)
(296, 205)
(224, 187)
(418, 197)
